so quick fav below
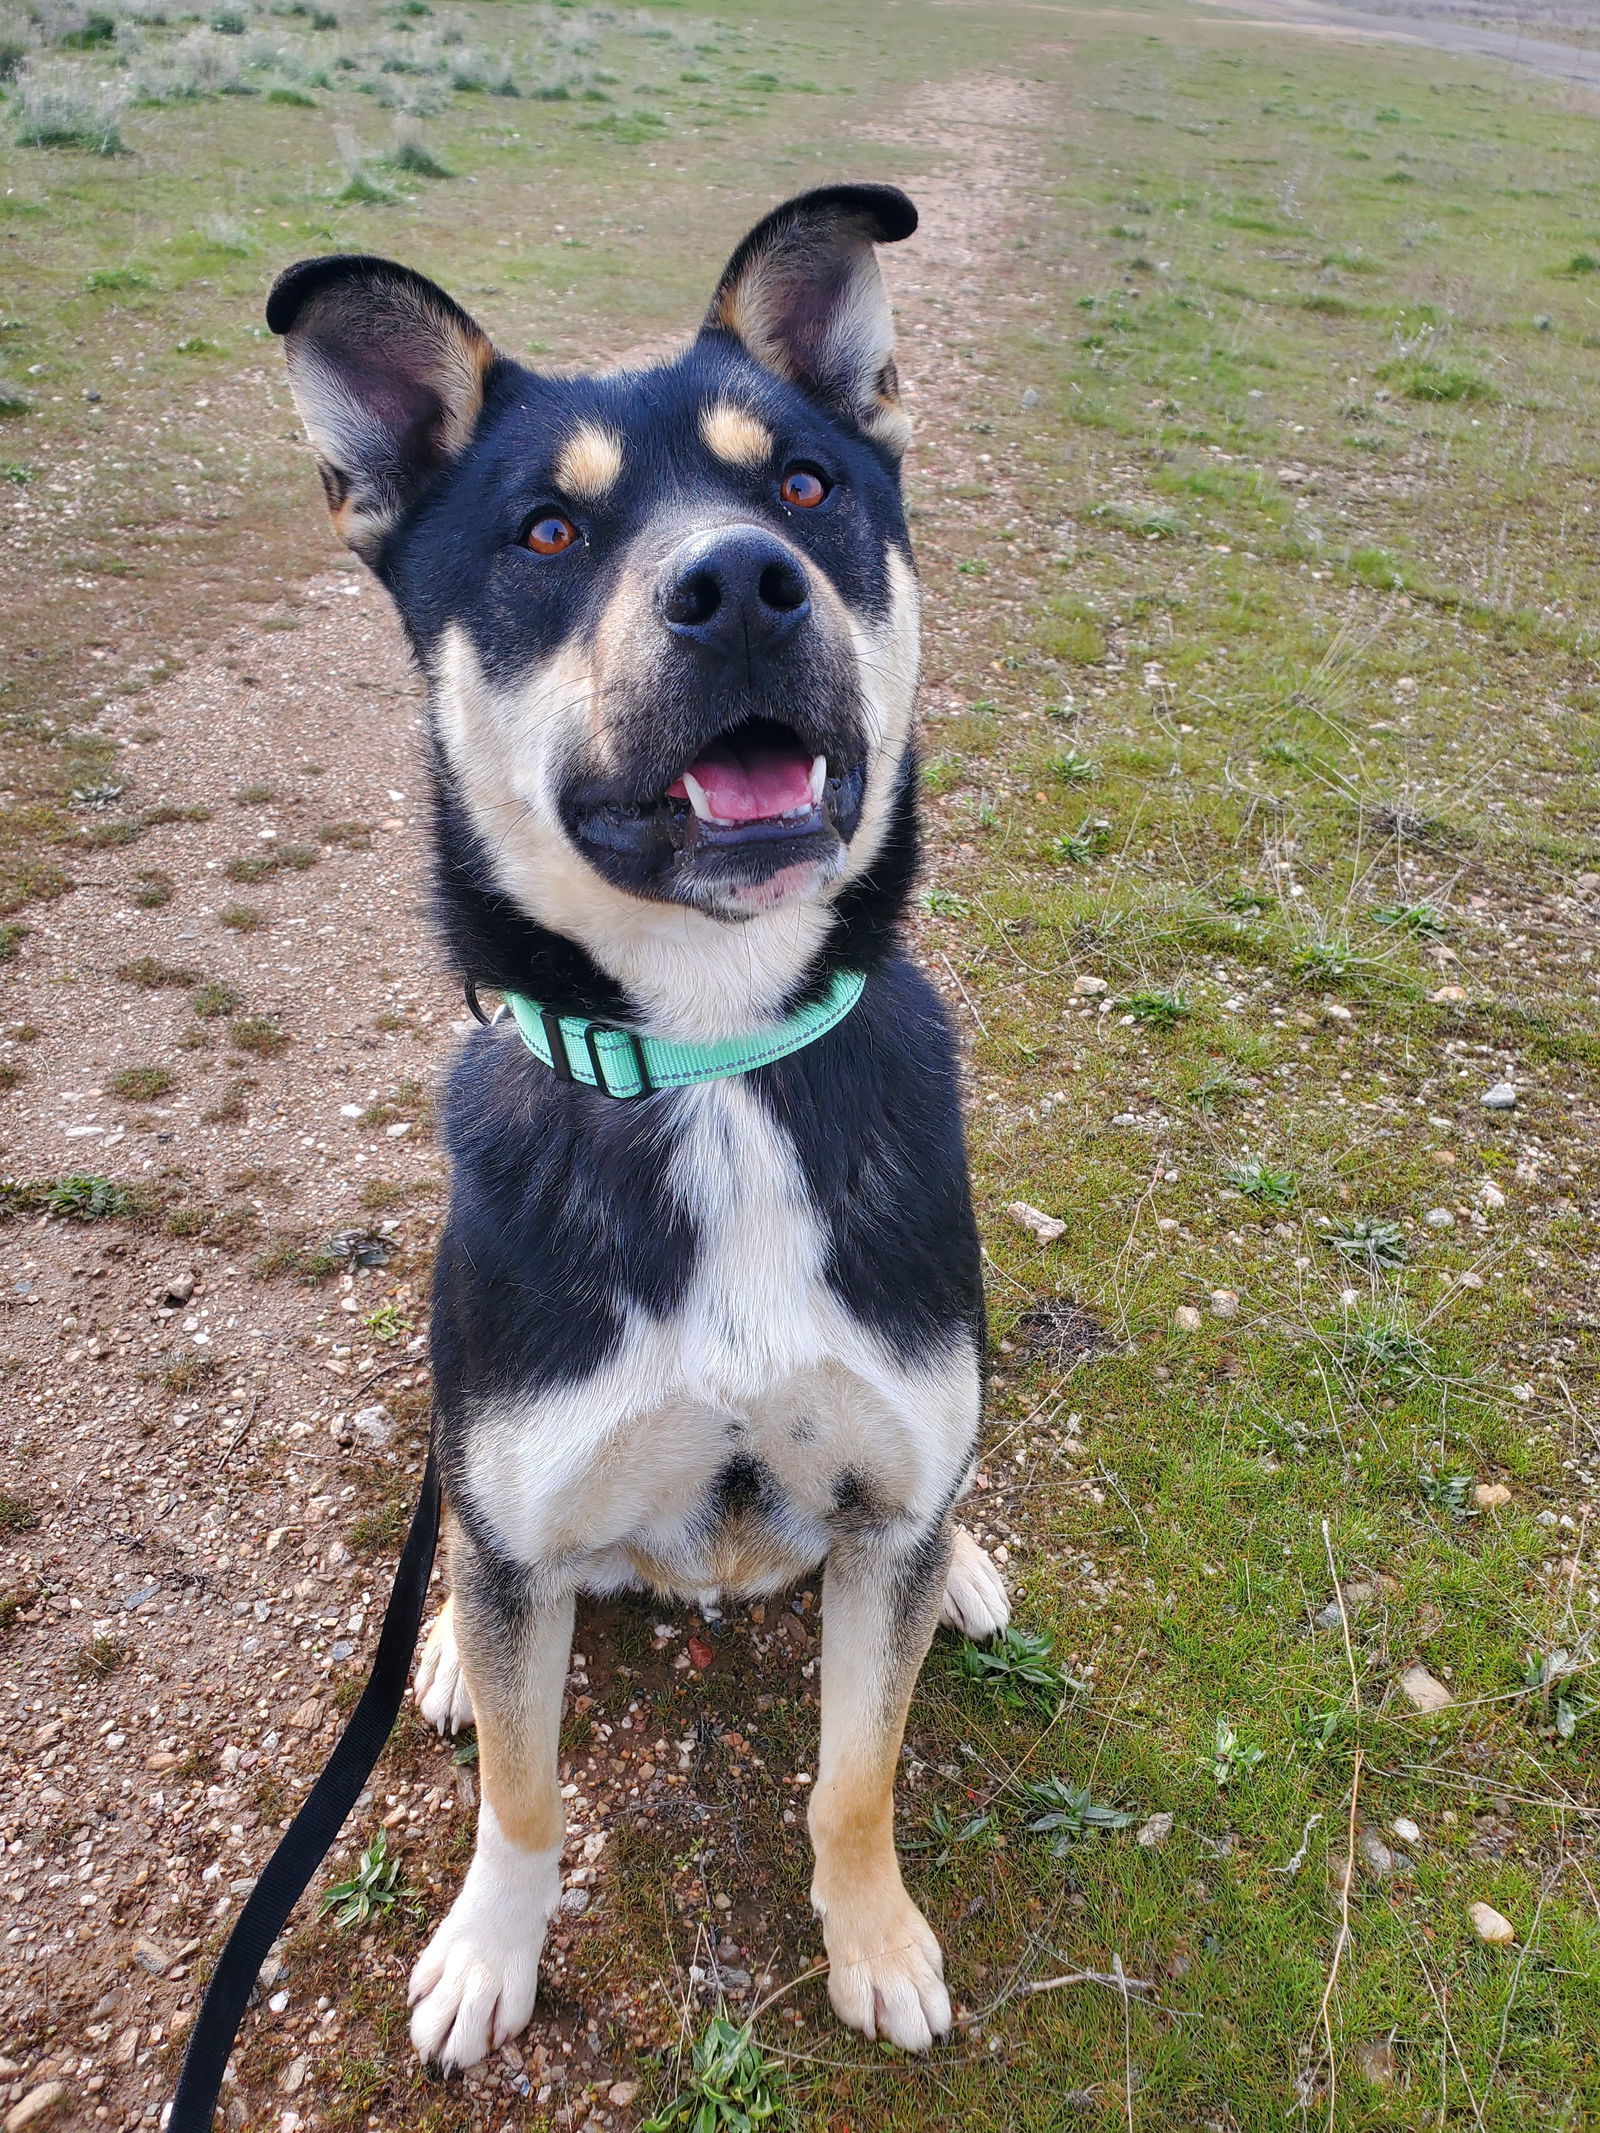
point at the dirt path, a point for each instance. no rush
(1560, 62)
(212, 1458)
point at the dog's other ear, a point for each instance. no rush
(804, 295)
(388, 375)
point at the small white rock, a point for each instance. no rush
(1492, 1926)
(1405, 1829)
(1186, 1318)
(1224, 1303)
(1424, 1691)
(1439, 1218)
(1491, 1196)
(1156, 1831)
(1502, 1097)
(1491, 1496)
(373, 1423)
(1090, 988)
(1047, 1228)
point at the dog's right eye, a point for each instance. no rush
(549, 533)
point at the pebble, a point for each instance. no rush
(1156, 1831)
(1186, 1318)
(1491, 1495)
(373, 1423)
(1376, 1853)
(1489, 1924)
(622, 2093)
(37, 2106)
(1447, 993)
(1224, 1303)
(1090, 988)
(151, 1956)
(294, 2075)
(1423, 1691)
(1491, 1195)
(1502, 1097)
(1047, 1228)
(306, 1715)
(1439, 1218)
(1405, 1829)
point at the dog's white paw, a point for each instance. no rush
(975, 1601)
(440, 1687)
(886, 1973)
(475, 1983)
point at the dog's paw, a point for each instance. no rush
(886, 1972)
(441, 1687)
(975, 1601)
(475, 1983)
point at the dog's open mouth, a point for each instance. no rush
(759, 779)
(756, 804)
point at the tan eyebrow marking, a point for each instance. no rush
(589, 462)
(736, 435)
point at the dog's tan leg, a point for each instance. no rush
(879, 1611)
(475, 1982)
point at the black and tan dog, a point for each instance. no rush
(708, 1310)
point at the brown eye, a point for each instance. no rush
(803, 486)
(549, 535)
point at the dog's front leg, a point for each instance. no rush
(880, 1606)
(475, 1983)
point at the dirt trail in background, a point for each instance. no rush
(218, 1461)
(1560, 62)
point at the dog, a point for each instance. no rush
(708, 1308)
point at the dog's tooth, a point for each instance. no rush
(819, 778)
(697, 797)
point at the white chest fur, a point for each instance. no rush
(762, 1366)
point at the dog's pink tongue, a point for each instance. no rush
(755, 783)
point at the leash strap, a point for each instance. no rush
(311, 1834)
(625, 1063)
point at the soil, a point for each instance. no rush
(221, 1412)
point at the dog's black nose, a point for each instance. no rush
(742, 594)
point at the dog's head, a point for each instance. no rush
(668, 615)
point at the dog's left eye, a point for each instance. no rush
(803, 486)
(549, 534)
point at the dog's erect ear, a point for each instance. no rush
(804, 294)
(387, 373)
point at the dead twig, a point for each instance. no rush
(960, 988)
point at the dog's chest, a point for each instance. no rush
(723, 1442)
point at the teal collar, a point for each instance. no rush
(625, 1063)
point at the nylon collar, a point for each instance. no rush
(625, 1063)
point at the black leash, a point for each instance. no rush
(312, 1832)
